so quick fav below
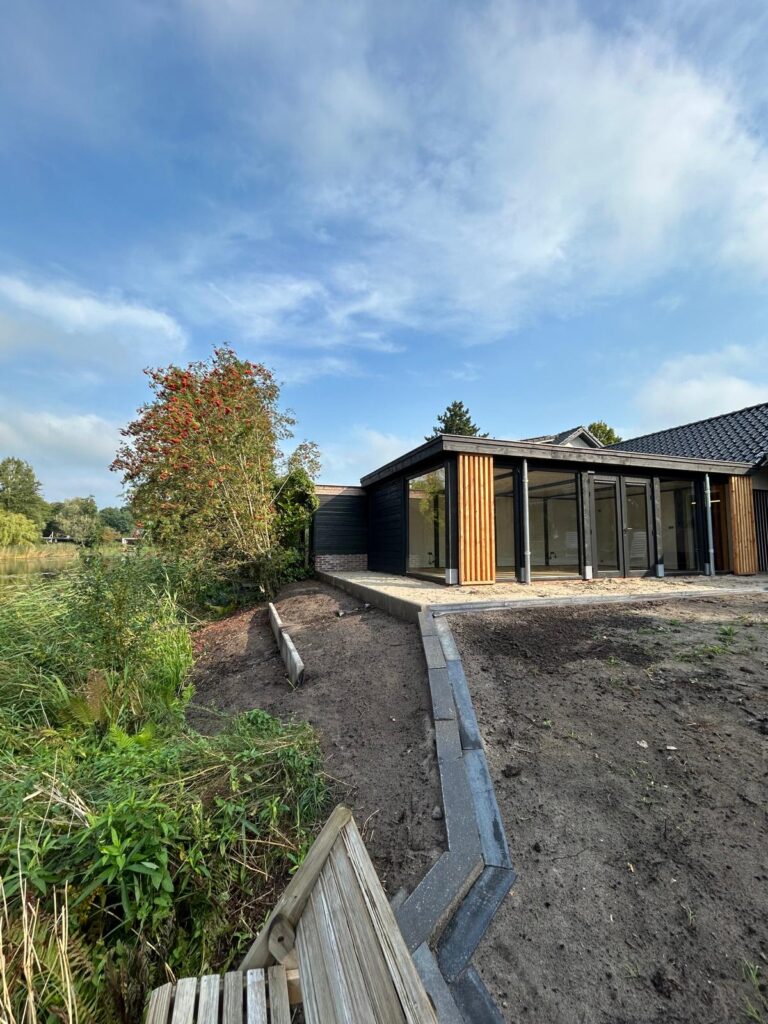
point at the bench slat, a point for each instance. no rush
(279, 1006)
(410, 989)
(232, 1003)
(184, 1001)
(319, 1007)
(256, 998)
(208, 1006)
(378, 980)
(160, 1004)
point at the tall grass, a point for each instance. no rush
(169, 845)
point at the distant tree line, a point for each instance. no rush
(26, 517)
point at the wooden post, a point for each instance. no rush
(743, 534)
(477, 527)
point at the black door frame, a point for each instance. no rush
(623, 539)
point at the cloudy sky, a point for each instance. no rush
(555, 212)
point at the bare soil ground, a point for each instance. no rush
(629, 750)
(365, 692)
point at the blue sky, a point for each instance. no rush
(554, 212)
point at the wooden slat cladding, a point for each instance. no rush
(477, 531)
(761, 528)
(744, 541)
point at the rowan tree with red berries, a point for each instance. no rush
(203, 462)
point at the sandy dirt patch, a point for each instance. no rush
(629, 750)
(365, 692)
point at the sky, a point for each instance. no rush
(554, 212)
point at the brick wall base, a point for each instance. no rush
(331, 563)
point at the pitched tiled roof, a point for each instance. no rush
(563, 436)
(740, 436)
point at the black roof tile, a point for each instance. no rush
(740, 436)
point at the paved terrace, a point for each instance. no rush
(405, 597)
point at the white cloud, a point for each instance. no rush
(70, 452)
(71, 323)
(695, 386)
(532, 162)
(365, 450)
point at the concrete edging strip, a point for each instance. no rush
(293, 663)
(454, 903)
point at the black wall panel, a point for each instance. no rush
(761, 529)
(340, 525)
(386, 527)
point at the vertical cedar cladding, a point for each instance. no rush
(744, 540)
(477, 534)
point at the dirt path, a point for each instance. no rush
(366, 694)
(629, 751)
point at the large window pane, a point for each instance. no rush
(607, 526)
(678, 526)
(504, 507)
(553, 512)
(637, 527)
(426, 523)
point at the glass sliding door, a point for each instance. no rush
(553, 514)
(637, 513)
(504, 510)
(621, 526)
(607, 528)
(678, 526)
(426, 524)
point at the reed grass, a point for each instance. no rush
(159, 849)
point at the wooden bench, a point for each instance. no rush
(331, 943)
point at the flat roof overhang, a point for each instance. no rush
(596, 457)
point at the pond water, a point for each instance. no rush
(16, 567)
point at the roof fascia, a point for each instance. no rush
(596, 456)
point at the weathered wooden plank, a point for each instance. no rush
(354, 983)
(232, 1002)
(291, 903)
(184, 1001)
(208, 1004)
(318, 1001)
(160, 1004)
(279, 1007)
(255, 997)
(381, 987)
(414, 999)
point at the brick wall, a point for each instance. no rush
(341, 563)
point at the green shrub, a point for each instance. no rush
(166, 846)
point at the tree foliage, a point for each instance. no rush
(203, 463)
(78, 518)
(20, 490)
(118, 519)
(603, 432)
(455, 420)
(17, 530)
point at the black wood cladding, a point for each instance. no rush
(386, 527)
(761, 529)
(340, 525)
